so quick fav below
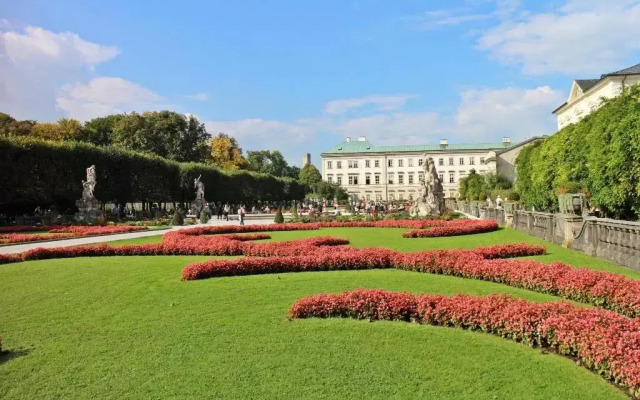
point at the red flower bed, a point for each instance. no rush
(603, 341)
(8, 258)
(97, 230)
(468, 228)
(18, 229)
(22, 238)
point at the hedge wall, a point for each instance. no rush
(600, 155)
(34, 172)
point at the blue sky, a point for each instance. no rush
(301, 76)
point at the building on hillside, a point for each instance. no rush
(586, 94)
(393, 173)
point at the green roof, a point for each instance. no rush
(356, 146)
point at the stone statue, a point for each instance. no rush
(499, 202)
(90, 184)
(88, 205)
(489, 202)
(430, 199)
(199, 204)
(199, 188)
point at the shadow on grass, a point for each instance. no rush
(8, 355)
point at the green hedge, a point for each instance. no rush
(35, 172)
(600, 156)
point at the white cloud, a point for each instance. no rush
(103, 96)
(380, 102)
(580, 37)
(394, 128)
(34, 62)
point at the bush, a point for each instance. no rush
(279, 219)
(294, 213)
(178, 218)
(204, 217)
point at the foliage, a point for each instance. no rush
(10, 127)
(272, 163)
(178, 218)
(37, 172)
(204, 217)
(478, 187)
(310, 175)
(226, 154)
(600, 155)
(279, 218)
(99, 131)
(294, 213)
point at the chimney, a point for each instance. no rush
(362, 139)
(444, 143)
(306, 159)
(506, 141)
(348, 139)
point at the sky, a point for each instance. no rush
(300, 76)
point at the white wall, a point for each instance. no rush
(584, 105)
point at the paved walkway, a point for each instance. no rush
(19, 248)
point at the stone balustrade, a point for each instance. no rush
(614, 240)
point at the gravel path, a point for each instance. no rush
(19, 248)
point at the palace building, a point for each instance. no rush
(586, 94)
(393, 173)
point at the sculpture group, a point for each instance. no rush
(430, 199)
(88, 205)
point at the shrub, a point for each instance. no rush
(204, 217)
(603, 341)
(178, 218)
(279, 219)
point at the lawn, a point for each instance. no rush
(127, 327)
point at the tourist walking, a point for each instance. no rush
(241, 213)
(226, 211)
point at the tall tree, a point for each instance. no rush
(268, 162)
(310, 175)
(226, 154)
(99, 131)
(10, 127)
(48, 130)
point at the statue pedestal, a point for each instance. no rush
(198, 205)
(88, 210)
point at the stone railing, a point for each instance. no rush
(614, 240)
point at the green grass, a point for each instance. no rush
(127, 327)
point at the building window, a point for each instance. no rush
(367, 180)
(481, 160)
(420, 161)
(410, 161)
(390, 179)
(441, 176)
(410, 196)
(378, 197)
(420, 176)
(339, 179)
(410, 179)
(390, 164)
(441, 161)
(461, 160)
(392, 196)
(353, 179)
(452, 177)
(472, 161)
(368, 197)
(329, 164)
(353, 163)
(329, 178)
(450, 160)
(400, 163)
(376, 163)
(339, 164)
(400, 179)
(400, 196)
(376, 179)
(367, 163)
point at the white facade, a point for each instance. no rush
(586, 95)
(393, 173)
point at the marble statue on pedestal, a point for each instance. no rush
(430, 199)
(88, 205)
(199, 204)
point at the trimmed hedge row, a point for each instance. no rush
(35, 172)
(603, 341)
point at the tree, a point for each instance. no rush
(99, 131)
(48, 130)
(70, 128)
(268, 162)
(310, 175)
(10, 127)
(226, 154)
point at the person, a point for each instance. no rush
(226, 211)
(241, 214)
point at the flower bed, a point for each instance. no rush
(603, 341)
(64, 232)
(470, 227)
(18, 229)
